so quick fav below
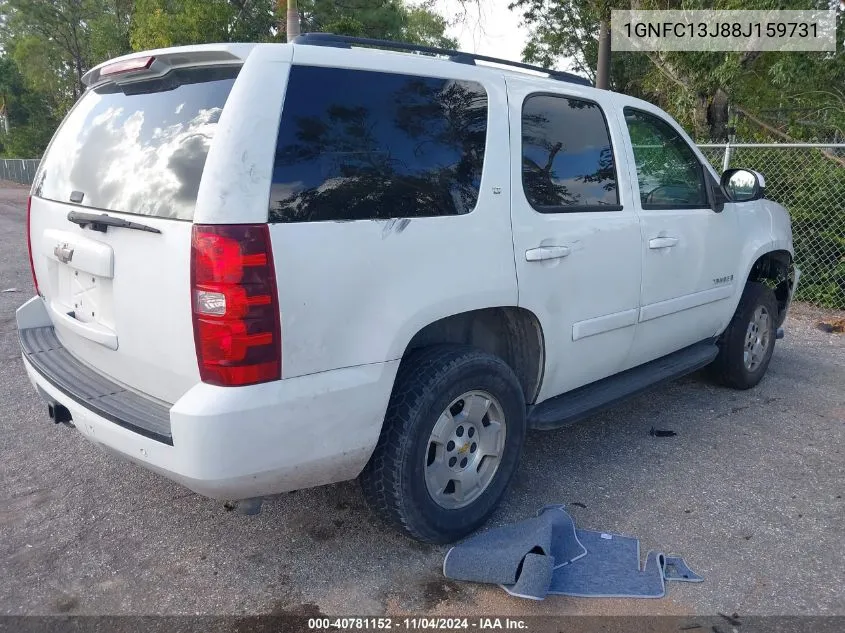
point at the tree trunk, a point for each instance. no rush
(79, 73)
(717, 116)
(701, 127)
(292, 26)
(4, 113)
(603, 67)
(710, 116)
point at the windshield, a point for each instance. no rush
(139, 148)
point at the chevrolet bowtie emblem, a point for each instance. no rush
(63, 253)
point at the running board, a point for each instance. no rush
(589, 399)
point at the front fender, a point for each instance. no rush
(766, 227)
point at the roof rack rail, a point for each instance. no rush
(461, 57)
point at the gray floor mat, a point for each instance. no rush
(548, 555)
(610, 569)
(496, 556)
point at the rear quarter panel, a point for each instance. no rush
(356, 292)
(235, 185)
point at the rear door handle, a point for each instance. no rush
(662, 242)
(542, 253)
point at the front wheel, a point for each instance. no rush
(746, 346)
(450, 444)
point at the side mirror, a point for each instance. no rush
(743, 185)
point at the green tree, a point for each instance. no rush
(109, 30)
(56, 38)
(380, 19)
(424, 25)
(162, 23)
(698, 87)
(30, 117)
(49, 45)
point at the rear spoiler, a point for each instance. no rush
(162, 61)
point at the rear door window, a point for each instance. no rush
(567, 158)
(356, 145)
(139, 148)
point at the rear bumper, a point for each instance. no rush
(48, 357)
(236, 443)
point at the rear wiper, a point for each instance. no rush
(102, 222)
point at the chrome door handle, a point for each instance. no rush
(662, 242)
(542, 253)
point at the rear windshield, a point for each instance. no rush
(138, 148)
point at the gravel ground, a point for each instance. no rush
(749, 491)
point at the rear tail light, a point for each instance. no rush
(29, 243)
(235, 304)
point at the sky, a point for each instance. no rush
(487, 28)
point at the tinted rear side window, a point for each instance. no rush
(567, 158)
(138, 148)
(359, 145)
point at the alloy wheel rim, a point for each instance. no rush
(757, 339)
(464, 449)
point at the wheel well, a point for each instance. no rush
(777, 271)
(513, 334)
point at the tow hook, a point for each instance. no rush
(248, 507)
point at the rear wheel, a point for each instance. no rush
(746, 346)
(450, 444)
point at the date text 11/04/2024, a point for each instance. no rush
(416, 623)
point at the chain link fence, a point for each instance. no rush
(809, 180)
(20, 170)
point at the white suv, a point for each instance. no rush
(267, 267)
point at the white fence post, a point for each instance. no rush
(726, 161)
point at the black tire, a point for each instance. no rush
(394, 479)
(729, 367)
